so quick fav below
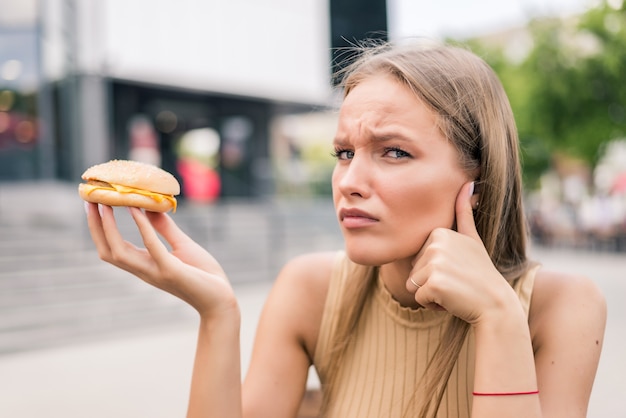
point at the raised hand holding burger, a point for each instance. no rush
(130, 183)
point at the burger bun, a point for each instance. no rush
(130, 183)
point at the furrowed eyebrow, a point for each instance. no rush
(382, 136)
(340, 141)
(390, 136)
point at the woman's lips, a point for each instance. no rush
(355, 218)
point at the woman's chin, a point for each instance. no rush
(366, 256)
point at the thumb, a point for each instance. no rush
(464, 216)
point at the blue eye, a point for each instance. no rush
(343, 154)
(396, 153)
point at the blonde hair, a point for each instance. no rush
(475, 115)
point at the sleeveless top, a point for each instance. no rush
(391, 348)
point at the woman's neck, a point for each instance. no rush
(394, 276)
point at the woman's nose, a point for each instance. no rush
(353, 178)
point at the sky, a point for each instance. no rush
(459, 18)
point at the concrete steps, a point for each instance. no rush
(54, 290)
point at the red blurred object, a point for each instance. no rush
(619, 184)
(200, 183)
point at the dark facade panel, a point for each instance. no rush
(353, 21)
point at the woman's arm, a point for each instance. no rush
(455, 273)
(190, 273)
(287, 331)
(505, 381)
(567, 324)
(557, 354)
(286, 338)
(216, 379)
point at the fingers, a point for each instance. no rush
(447, 258)
(412, 285)
(119, 251)
(153, 244)
(106, 236)
(110, 244)
(422, 294)
(464, 214)
(96, 229)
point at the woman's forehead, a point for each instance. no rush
(380, 104)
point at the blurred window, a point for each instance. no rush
(19, 80)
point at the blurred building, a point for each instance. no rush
(192, 86)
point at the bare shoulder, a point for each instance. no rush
(555, 289)
(309, 271)
(562, 300)
(301, 289)
(305, 278)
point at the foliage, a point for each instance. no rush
(569, 91)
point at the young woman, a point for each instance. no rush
(433, 309)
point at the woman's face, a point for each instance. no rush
(397, 177)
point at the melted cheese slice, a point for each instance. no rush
(158, 197)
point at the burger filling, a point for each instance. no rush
(158, 197)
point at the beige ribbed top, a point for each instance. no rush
(393, 345)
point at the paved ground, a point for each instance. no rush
(143, 370)
(141, 375)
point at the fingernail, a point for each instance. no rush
(86, 206)
(471, 189)
(100, 210)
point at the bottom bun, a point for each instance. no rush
(113, 198)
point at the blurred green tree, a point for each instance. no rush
(568, 91)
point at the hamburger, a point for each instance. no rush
(130, 183)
